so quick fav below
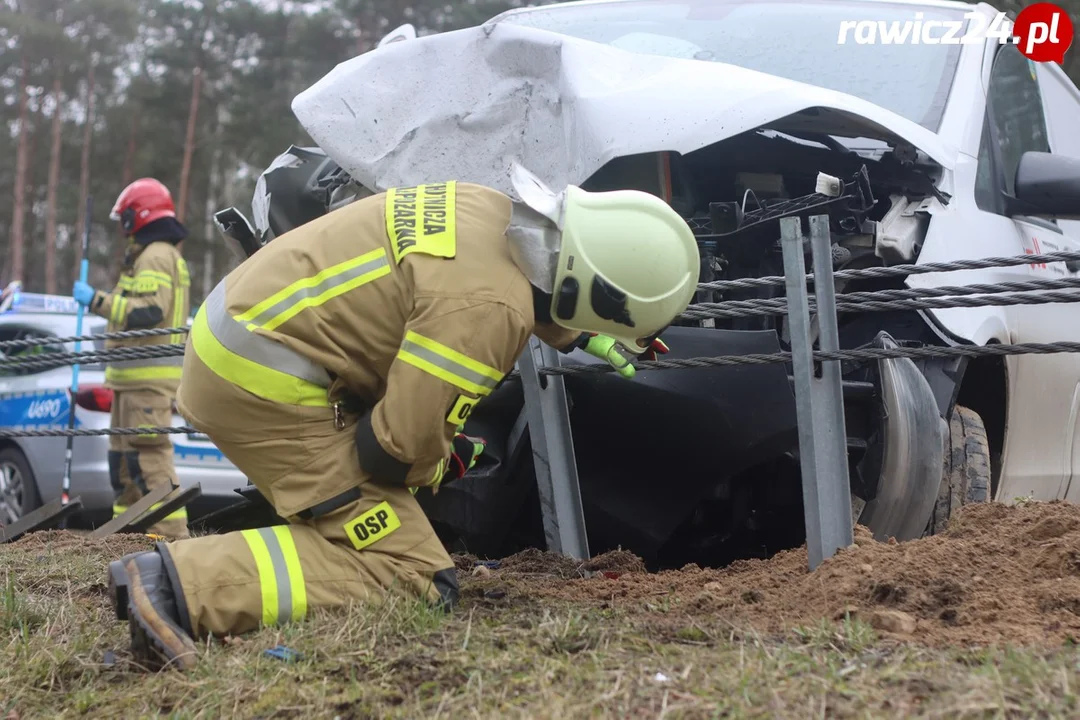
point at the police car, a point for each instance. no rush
(32, 469)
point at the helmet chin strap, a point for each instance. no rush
(535, 230)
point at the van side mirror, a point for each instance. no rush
(1047, 184)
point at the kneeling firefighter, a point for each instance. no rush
(336, 366)
(152, 292)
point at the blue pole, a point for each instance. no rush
(84, 272)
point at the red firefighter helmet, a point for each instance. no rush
(141, 203)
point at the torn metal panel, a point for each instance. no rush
(467, 104)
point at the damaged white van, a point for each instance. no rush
(729, 110)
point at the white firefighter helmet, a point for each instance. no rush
(627, 263)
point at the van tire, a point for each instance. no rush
(967, 476)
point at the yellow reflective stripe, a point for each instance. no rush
(281, 579)
(167, 361)
(179, 293)
(257, 379)
(182, 272)
(267, 581)
(143, 373)
(148, 286)
(448, 364)
(126, 282)
(149, 281)
(163, 368)
(316, 290)
(119, 309)
(296, 573)
(440, 470)
(180, 514)
(163, 278)
(146, 425)
(178, 314)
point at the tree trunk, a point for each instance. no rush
(51, 237)
(129, 173)
(189, 143)
(84, 175)
(32, 256)
(21, 162)
(129, 156)
(210, 235)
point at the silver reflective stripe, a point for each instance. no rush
(281, 575)
(252, 346)
(311, 292)
(450, 366)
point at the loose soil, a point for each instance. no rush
(977, 622)
(54, 541)
(998, 575)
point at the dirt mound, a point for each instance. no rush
(617, 561)
(538, 562)
(999, 574)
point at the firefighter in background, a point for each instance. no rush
(152, 292)
(337, 365)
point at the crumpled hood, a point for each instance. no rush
(463, 105)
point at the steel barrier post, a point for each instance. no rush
(818, 399)
(553, 452)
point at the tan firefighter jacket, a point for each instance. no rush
(408, 301)
(153, 292)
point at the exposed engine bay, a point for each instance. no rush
(714, 473)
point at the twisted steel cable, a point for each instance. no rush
(900, 270)
(123, 335)
(55, 360)
(877, 302)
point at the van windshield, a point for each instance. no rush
(795, 40)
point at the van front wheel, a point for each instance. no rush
(966, 477)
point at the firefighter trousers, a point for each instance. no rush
(141, 463)
(348, 539)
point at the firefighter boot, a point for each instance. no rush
(447, 584)
(118, 584)
(156, 613)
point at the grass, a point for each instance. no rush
(65, 655)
